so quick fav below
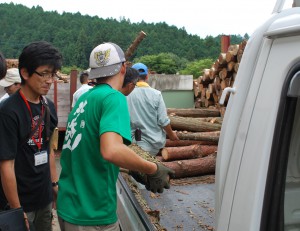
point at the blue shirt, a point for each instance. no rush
(148, 113)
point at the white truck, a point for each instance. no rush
(258, 163)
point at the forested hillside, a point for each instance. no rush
(76, 35)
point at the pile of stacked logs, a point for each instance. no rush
(12, 63)
(195, 153)
(209, 86)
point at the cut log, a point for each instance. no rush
(225, 83)
(211, 88)
(230, 56)
(196, 88)
(187, 152)
(213, 72)
(223, 73)
(236, 67)
(192, 124)
(193, 167)
(230, 66)
(216, 97)
(180, 143)
(213, 120)
(217, 83)
(192, 112)
(209, 102)
(208, 93)
(135, 44)
(234, 49)
(222, 58)
(202, 136)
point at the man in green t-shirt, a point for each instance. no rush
(94, 148)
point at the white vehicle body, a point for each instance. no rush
(258, 163)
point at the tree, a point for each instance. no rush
(163, 63)
(196, 68)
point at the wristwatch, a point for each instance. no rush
(54, 184)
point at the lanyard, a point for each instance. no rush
(38, 142)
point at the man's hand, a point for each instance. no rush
(159, 180)
(139, 177)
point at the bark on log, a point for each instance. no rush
(213, 120)
(193, 167)
(180, 143)
(191, 112)
(192, 124)
(135, 44)
(201, 136)
(187, 152)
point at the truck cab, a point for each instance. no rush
(258, 163)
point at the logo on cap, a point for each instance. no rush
(102, 57)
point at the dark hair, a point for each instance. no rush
(3, 66)
(131, 76)
(83, 77)
(38, 54)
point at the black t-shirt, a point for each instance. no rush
(33, 182)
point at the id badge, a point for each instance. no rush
(40, 158)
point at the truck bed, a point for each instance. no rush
(185, 206)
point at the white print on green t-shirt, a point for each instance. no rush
(71, 129)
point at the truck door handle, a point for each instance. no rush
(224, 93)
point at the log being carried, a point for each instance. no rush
(183, 168)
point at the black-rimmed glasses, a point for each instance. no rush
(52, 76)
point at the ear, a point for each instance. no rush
(24, 73)
(123, 69)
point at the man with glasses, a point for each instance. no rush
(27, 120)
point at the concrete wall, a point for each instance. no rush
(177, 90)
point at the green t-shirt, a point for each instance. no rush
(87, 184)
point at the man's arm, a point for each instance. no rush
(113, 150)
(9, 183)
(171, 134)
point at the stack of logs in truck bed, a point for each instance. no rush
(195, 153)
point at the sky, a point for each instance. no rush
(198, 17)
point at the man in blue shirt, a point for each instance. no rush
(148, 115)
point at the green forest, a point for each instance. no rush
(166, 49)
